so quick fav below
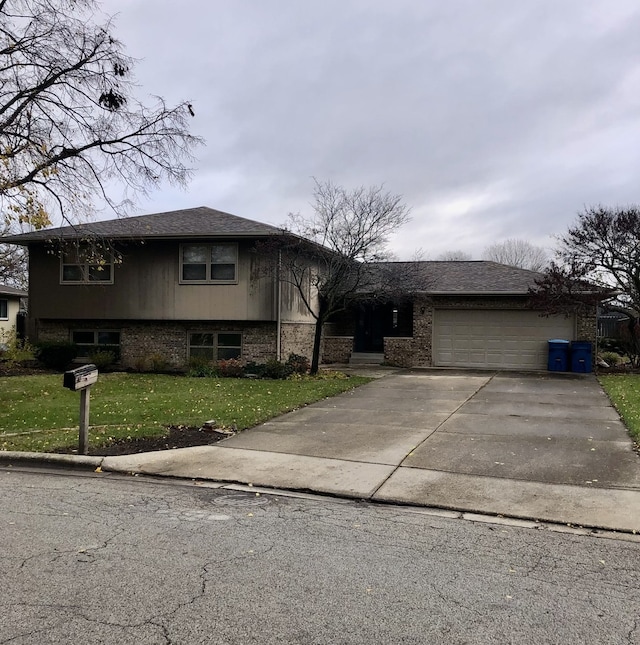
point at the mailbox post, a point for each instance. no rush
(81, 379)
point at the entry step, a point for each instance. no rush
(366, 358)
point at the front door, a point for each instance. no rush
(370, 327)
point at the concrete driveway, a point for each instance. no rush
(539, 446)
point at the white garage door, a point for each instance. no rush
(496, 338)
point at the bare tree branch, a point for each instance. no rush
(331, 255)
(454, 256)
(598, 261)
(72, 133)
(13, 262)
(517, 253)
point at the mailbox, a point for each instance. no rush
(81, 377)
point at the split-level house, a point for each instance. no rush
(194, 284)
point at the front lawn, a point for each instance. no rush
(624, 392)
(144, 405)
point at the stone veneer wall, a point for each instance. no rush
(139, 340)
(398, 351)
(587, 324)
(414, 351)
(337, 349)
(297, 338)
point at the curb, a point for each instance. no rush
(50, 459)
(85, 462)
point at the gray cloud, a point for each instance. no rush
(493, 119)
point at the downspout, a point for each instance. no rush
(278, 309)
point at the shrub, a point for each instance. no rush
(103, 359)
(13, 349)
(254, 369)
(56, 355)
(612, 358)
(298, 364)
(615, 345)
(158, 363)
(276, 370)
(230, 368)
(201, 368)
(152, 363)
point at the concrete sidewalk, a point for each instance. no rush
(535, 446)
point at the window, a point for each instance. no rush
(4, 309)
(209, 263)
(215, 346)
(92, 340)
(78, 268)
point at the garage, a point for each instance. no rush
(496, 339)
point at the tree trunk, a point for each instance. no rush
(317, 339)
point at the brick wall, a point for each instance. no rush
(297, 338)
(587, 326)
(140, 340)
(399, 351)
(337, 349)
(414, 351)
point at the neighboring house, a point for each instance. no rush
(11, 300)
(189, 283)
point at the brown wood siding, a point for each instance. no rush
(146, 287)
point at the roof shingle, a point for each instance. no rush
(476, 277)
(186, 223)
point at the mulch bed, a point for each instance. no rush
(176, 437)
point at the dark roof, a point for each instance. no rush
(186, 223)
(478, 277)
(12, 291)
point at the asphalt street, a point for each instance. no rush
(111, 559)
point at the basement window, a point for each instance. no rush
(93, 340)
(215, 346)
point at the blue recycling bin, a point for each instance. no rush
(558, 355)
(581, 357)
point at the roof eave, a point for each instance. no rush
(13, 294)
(473, 293)
(25, 241)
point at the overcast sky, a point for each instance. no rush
(493, 119)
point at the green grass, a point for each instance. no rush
(624, 391)
(142, 405)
